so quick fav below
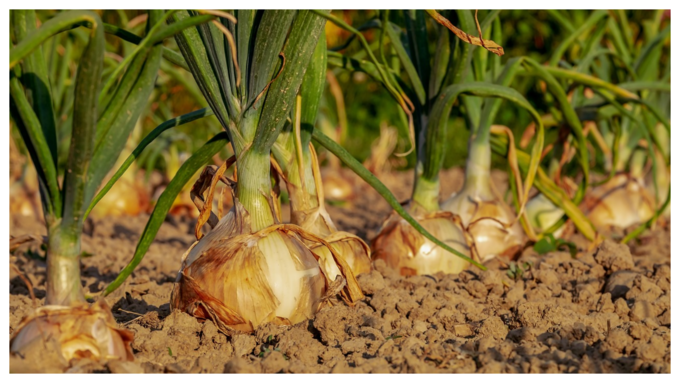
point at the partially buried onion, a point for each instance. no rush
(486, 218)
(127, 197)
(80, 331)
(336, 187)
(409, 252)
(621, 202)
(241, 280)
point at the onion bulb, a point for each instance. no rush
(82, 331)
(482, 214)
(409, 252)
(621, 202)
(24, 196)
(543, 214)
(335, 186)
(241, 280)
(126, 197)
(351, 248)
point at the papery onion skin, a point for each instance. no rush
(243, 280)
(353, 250)
(82, 331)
(621, 202)
(407, 251)
(491, 238)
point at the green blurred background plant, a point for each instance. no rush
(536, 34)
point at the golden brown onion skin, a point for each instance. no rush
(407, 251)
(351, 248)
(621, 202)
(491, 238)
(82, 331)
(243, 280)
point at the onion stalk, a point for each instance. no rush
(336, 186)
(80, 330)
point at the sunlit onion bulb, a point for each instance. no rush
(407, 251)
(126, 197)
(491, 238)
(621, 202)
(242, 280)
(335, 187)
(82, 331)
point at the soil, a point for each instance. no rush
(605, 310)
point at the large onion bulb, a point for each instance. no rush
(241, 280)
(126, 197)
(81, 331)
(404, 249)
(482, 215)
(621, 202)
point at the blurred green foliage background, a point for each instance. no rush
(525, 32)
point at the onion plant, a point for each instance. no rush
(436, 83)
(105, 107)
(630, 92)
(250, 66)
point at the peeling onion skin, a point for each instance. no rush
(241, 280)
(354, 251)
(491, 238)
(407, 251)
(82, 331)
(350, 247)
(621, 202)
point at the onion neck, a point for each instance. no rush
(301, 198)
(426, 194)
(637, 164)
(254, 189)
(63, 267)
(478, 168)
